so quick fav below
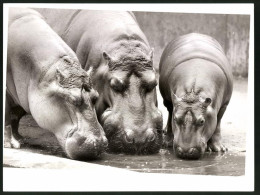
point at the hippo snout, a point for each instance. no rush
(134, 142)
(85, 147)
(189, 153)
(135, 137)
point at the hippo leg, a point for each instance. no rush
(168, 138)
(8, 129)
(7, 136)
(214, 143)
(13, 138)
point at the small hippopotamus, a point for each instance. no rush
(196, 85)
(112, 43)
(45, 79)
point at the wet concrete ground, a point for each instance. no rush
(234, 127)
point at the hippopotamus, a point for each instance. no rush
(196, 85)
(113, 45)
(45, 79)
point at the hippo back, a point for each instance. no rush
(193, 46)
(91, 32)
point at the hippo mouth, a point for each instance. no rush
(191, 153)
(83, 147)
(119, 143)
(119, 140)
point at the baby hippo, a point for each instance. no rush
(196, 85)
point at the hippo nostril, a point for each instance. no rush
(179, 150)
(81, 140)
(128, 140)
(150, 136)
(71, 132)
(194, 153)
(129, 136)
(191, 151)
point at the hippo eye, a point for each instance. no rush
(200, 121)
(117, 85)
(85, 87)
(149, 86)
(73, 96)
(178, 120)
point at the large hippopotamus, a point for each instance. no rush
(45, 79)
(112, 43)
(196, 85)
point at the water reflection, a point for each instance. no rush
(166, 162)
(225, 164)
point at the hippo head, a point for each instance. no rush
(129, 113)
(67, 109)
(193, 123)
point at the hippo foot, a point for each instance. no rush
(7, 144)
(216, 147)
(14, 143)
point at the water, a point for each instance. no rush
(225, 164)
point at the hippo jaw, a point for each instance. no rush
(84, 144)
(126, 135)
(193, 124)
(81, 137)
(125, 140)
(86, 139)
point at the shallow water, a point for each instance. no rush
(226, 164)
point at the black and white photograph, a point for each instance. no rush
(128, 97)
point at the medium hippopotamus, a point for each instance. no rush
(196, 85)
(112, 43)
(45, 79)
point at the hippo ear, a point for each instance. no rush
(176, 99)
(206, 102)
(106, 56)
(90, 72)
(151, 54)
(87, 83)
(68, 59)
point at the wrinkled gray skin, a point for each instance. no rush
(45, 79)
(112, 43)
(196, 85)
